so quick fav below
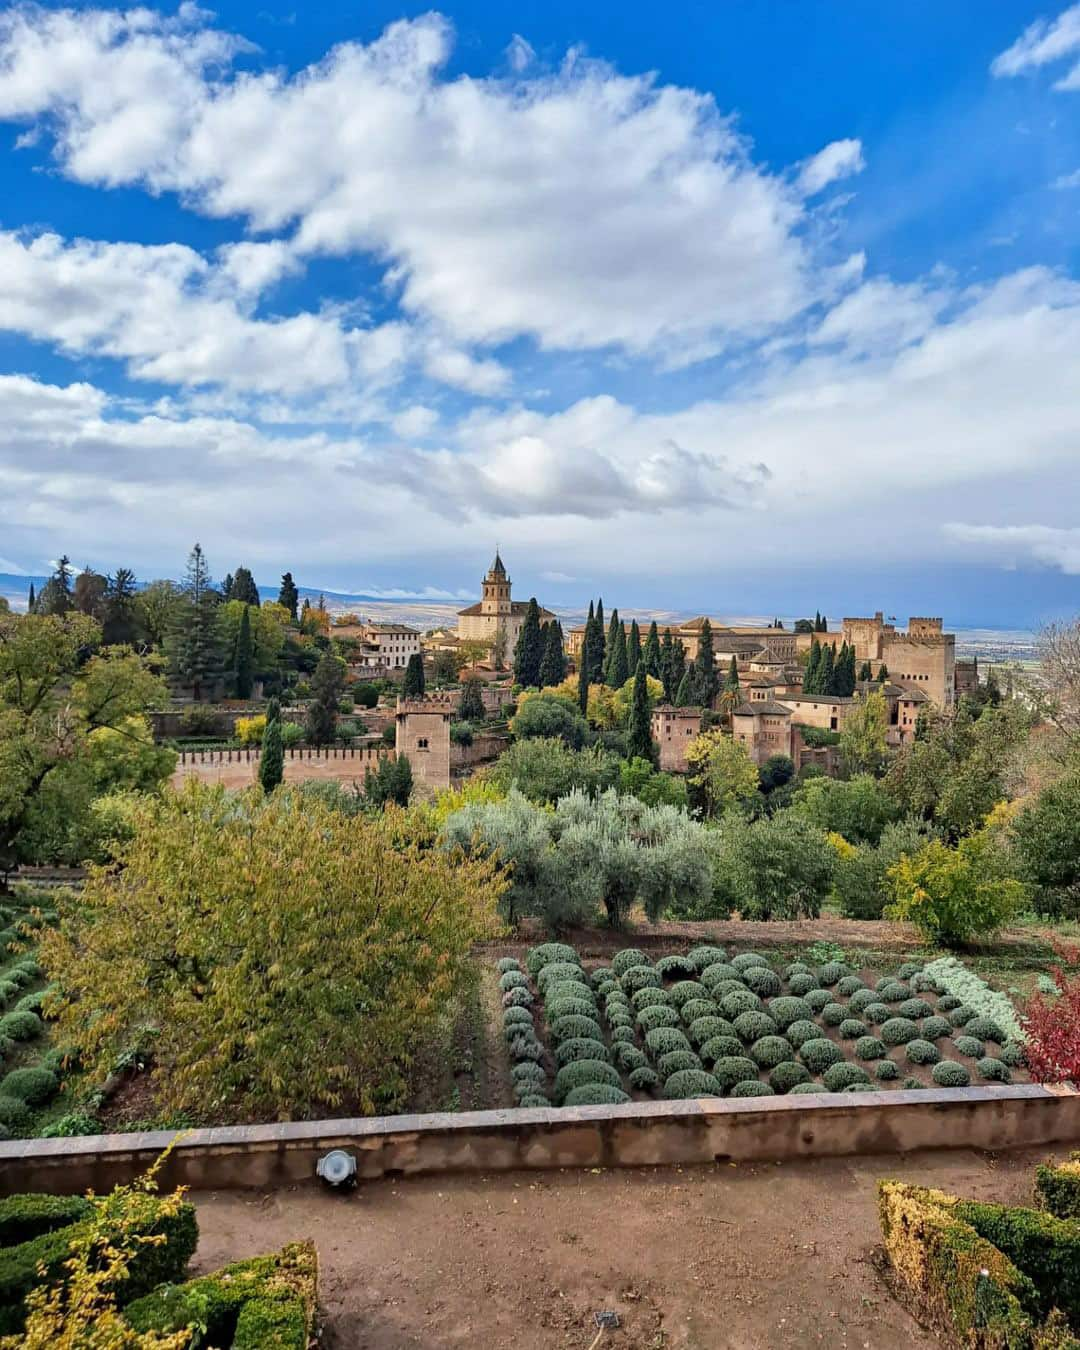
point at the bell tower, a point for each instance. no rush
(495, 591)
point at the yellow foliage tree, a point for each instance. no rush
(722, 769)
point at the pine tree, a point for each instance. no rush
(639, 741)
(865, 673)
(827, 670)
(413, 685)
(243, 665)
(471, 706)
(584, 663)
(227, 586)
(684, 694)
(708, 685)
(553, 664)
(618, 666)
(244, 588)
(327, 686)
(289, 596)
(633, 647)
(272, 759)
(55, 597)
(31, 600)
(812, 674)
(650, 653)
(529, 652)
(119, 620)
(194, 647)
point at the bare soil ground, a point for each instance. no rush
(706, 1258)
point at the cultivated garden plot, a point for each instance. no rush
(710, 1023)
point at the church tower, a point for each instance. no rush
(495, 591)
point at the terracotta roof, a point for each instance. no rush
(818, 698)
(767, 707)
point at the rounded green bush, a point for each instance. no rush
(1012, 1054)
(695, 1008)
(747, 959)
(14, 1114)
(947, 1002)
(701, 958)
(922, 1052)
(770, 1051)
(622, 1036)
(840, 1076)
(762, 981)
(506, 963)
(621, 1019)
(751, 1026)
(596, 1094)
(993, 1070)
(530, 1092)
(833, 1014)
(644, 1079)
(703, 1029)
(934, 1028)
(691, 1083)
(567, 1028)
(606, 987)
(797, 968)
(798, 1033)
(686, 990)
(908, 969)
(818, 999)
(800, 984)
(898, 1031)
(526, 1047)
(556, 1008)
(650, 997)
(628, 1057)
(877, 1013)
(734, 1069)
(584, 1071)
(806, 1088)
(517, 998)
(886, 1069)
(968, 1045)
(950, 1074)
(851, 1029)
(533, 1099)
(862, 999)
(924, 984)
(676, 1062)
(869, 1047)
(914, 1008)
(599, 974)
(662, 1040)
(820, 1054)
(517, 1016)
(625, 960)
(528, 1072)
(561, 972)
(985, 1029)
(514, 1031)
(961, 1016)
(912, 1084)
(785, 1010)
(739, 1001)
(719, 973)
(860, 1087)
(676, 968)
(720, 1047)
(639, 977)
(657, 1016)
(787, 1076)
(26, 1026)
(750, 1089)
(891, 990)
(849, 985)
(547, 954)
(564, 989)
(832, 972)
(580, 1047)
(720, 990)
(33, 1086)
(513, 979)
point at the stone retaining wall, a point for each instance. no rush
(639, 1134)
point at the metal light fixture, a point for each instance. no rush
(337, 1168)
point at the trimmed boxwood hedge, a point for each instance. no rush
(24, 1217)
(734, 1069)
(561, 972)
(512, 1015)
(703, 1029)
(512, 979)
(34, 1086)
(934, 1028)
(763, 981)
(798, 1033)
(797, 968)
(752, 1089)
(820, 1054)
(740, 1001)
(770, 1051)
(870, 1047)
(968, 1045)
(25, 1026)
(787, 1009)
(547, 954)
(719, 974)
(657, 1016)
(751, 1026)
(788, 1075)
(513, 998)
(623, 1036)
(568, 1007)
(721, 1047)
(628, 1057)
(584, 1071)
(747, 959)
(886, 1070)
(675, 1062)
(596, 1094)
(662, 1040)
(961, 1016)
(639, 977)
(802, 984)
(878, 1013)
(898, 1031)
(703, 957)
(691, 1083)
(919, 1051)
(861, 999)
(522, 1048)
(625, 960)
(851, 1029)
(950, 1074)
(840, 1076)
(566, 1028)
(622, 1019)
(650, 997)
(892, 991)
(833, 1014)
(580, 1047)
(694, 1008)
(985, 1029)
(848, 985)
(818, 999)
(528, 1072)
(599, 974)
(686, 990)
(993, 1070)
(914, 1008)
(506, 963)
(676, 968)
(947, 1002)
(644, 1079)
(533, 1099)
(832, 972)
(805, 1089)
(1012, 1054)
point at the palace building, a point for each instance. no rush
(498, 618)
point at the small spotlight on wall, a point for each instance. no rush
(337, 1168)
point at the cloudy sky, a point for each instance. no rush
(747, 308)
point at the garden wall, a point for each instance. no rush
(639, 1134)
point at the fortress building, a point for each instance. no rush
(923, 658)
(497, 619)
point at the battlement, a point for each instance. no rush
(436, 703)
(921, 627)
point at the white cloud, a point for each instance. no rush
(1015, 544)
(839, 159)
(1042, 43)
(1066, 181)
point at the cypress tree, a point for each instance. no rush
(708, 685)
(883, 673)
(243, 665)
(471, 706)
(865, 673)
(598, 646)
(305, 613)
(327, 685)
(667, 666)
(849, 671)
(584, 662)
(244, 588)
(413, 685)
(273, 709)
(731, 681)
(639, 742)
(817, 621)
(679, 663)
(227, 586)
(823, 624)
(529, 652)
(31, 600)
(813, 669)
(288, 595)
(684, 695)
(618, 667)
(633, 647)
(612, 628)
(651, 652)
(553, 664)
(272, 759)
(827, 669)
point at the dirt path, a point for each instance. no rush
(710, 1258)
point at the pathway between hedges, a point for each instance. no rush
(704, 1258)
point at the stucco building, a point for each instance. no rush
(673, 729)
(422, 735)
(923, 657)
(498, 618)
(380, 646)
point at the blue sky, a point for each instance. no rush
(747, 308)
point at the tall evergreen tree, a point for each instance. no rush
(55, 597)
(194, 647)
(650, 653)
(865, 673)
(883, 673)
(679, 662)
(305, 614)
(471, 706)
(553, 664)
(817, 621)
(120, 615)
(598, 646)
(685, 693)
(272, 759)
(529, 652)
(822, 624)
(828, 667)
(31, 600)
(289, 596)
(618, 666)
(633, 647)
(667, 667)
(812, 674)
(244, 588)
(731, 680)
(243, 659)
(413, 685)
(88, 593)
(327, 686)
(584, 665)
(639, 741)
(227, 586)
(707, 682)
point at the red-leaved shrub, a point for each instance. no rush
(1052, 1026)
(1069, 952)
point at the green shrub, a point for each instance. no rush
(650, 997)
(749, 1089)
(623, 1036)
(763, 981)
(691, 1083)
(797, 968)
(533, 1099)
(724, 987)
(898, 1031)
(662, 1040)
(20, 1026)
(607, 986)
(770, 1051)
(786, 1009)
(513, 979)
(567, 1028)
(911, 1084)
(517, 1017)
(581, 1072)
(675, 1062)
(922, 1052)
(818, 999)
(617, 1003)
(628, 1057)
(71, 1125)
(639, 977)
(832, 972)
(947, 1002)
(908, 969)
(623, 961)
(506, 963)
(851, 1029)
(555, 990)
(740, 1001)
(961, 1016)
(787, 1076)
(644, 1079)
(686, 990)
(914, 1008)
(14, 1114)
(993, 1070)
(1058, 1187)
(580, 1047)
(747, 959)
(968, 1045)
(885, 1069)
(517, 998)
(732, 1069)
(657, 1016)
(24, 1217)
(596, 1094)
(798, 1033)
(985, 1029)
(526, 1048)
(528, 1072)
(524, 1092)
(703, 1029)
(833, 1014)
(806, 1089)
(557, 1008)
(934, 1028)
(721, 1047)
(32, 1086)
(860, 1087)
(703, 957)
(840, 1076)
(561, 972)
(751, 1026)
(862, 999)
(849, 985)
(800, 984)
(695, 1008)
(892, 991)
(547, 954)
(820, 1054)
(602, 975)
(1012, 1054)
(676, 968)
(869, 1047)
(877, 1013)
(620, 1019)
(713, 975)
(950, 1074)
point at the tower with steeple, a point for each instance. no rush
(498, 618)
(495, 591)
